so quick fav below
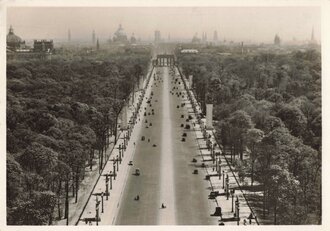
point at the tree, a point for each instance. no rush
(39, 158)
(293, 119)
(253, 137)
(240, 122)
(14, 179)
(284, 187)
(37, 210)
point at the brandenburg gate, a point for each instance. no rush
(164, 60)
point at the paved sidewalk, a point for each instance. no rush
(218, 184)
(85, 189)
(111, 206)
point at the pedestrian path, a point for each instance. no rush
(225, 187)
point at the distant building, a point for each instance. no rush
(45, 46)
(277, 40)
(189, 51)
(93, 37)
(69, 35)
(215, 37)
(133, 39)
(97, 44)
(14, 42)
(313, 41)
(204, 37)
(157, 36)
(195, 39)
(120, 36)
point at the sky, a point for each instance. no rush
(254, 24)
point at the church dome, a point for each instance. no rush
(12, 38)
(120, 35)
(120, 31)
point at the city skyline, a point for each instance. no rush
(254, 24)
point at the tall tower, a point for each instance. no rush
(312, 41)
(93, 37)
(215, 36)
(312, 37)
(242, 47)
(204, 37)
(277, 40)
(157, 36)
(97, 44)
(69, 35)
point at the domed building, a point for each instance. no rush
(14, 42)
(120, 36)
(133, 39)
(277, 40)
(195, 39)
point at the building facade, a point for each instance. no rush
(46, 46)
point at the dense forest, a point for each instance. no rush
(60, 115)
(267, 112)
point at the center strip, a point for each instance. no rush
(167, 195)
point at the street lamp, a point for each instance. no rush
(232, 193)
(117, 163)
(120, 151)
(102, 194)
(219, 162)
(97, 210)
(237, 210)
(111, 179)
(124, 144)
(227, 186)
(216, 165)
(127, 138)
(107, 186)
(114, 169)
(223, 179)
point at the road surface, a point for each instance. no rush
(165, 162)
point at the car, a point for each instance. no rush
(214, 194)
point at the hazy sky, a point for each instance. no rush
(257, 24)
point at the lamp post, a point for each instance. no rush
(125, 141)
(114, 170)
(213, 154)
(120, 151)
(216, 164)
(102, 210)
(117, 163)
(232, 192)
(111, 179)
(97, 210)
(237, 210)
(123, 149)
(227, 186)
(127, 138)
(223, 179)
(107, 186)
(219, 168)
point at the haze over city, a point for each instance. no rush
(249, 24)
(145, 114)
